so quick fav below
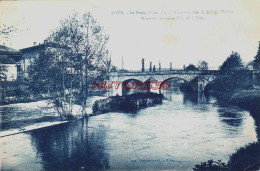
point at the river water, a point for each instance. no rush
(185, 130)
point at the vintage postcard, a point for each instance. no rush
(130, 85)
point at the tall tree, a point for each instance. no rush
(142, 64)
(159, 65)
(107, 62)
(150, 69)
(231, 79)
(3, 80)
(73, 59)
(232, 63)
(203, 65)
(170, 66)
(154, 68)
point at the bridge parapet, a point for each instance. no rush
(140, 73)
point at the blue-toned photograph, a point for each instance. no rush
(130, 85)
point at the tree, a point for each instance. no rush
(154, 68)
(114, 69)
(256, 62)
(159, 65)
(107, 62)
(203, 65)
(150, 69)
(3, 80)
(75, 57)
(232, 63)
(191, 67)
(142, 64)
(231, 79)
(170, 66)
(7, 31)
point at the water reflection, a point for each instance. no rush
(71, 147)
(231, 116)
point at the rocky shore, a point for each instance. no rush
(126, 103)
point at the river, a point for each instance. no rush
(185, 130)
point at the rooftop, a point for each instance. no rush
(4, 50)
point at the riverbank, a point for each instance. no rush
(248, 99)
(247, 157)
(25, 117)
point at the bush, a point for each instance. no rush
(246, 158)
(212, 165)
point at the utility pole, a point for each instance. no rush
(142, 64)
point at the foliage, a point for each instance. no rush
(246, 158)
(107, 63)
(233, 76)
(15, 91)
(75, 55)
(191, 67)
(211, 165)
(203, 65)
(3, 69)
(233, 62)
(248, 99)
(113, 69)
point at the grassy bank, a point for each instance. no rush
(248, 157)
(248, 99)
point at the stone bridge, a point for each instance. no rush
(197, 79)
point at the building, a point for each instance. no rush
(18, 63)
(10, 63)
(28, 56)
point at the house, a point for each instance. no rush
(28, 55)
(10, 67)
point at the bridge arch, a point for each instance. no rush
(162, 87)
(209, 85)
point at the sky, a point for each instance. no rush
(179, 31)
